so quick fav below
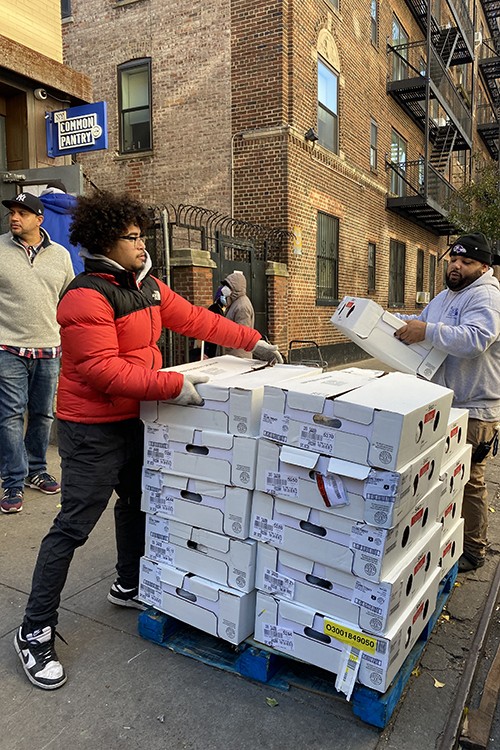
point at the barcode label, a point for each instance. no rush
(281, 484)
(277, 637)
(374, 599)
(315, 438)
(268, 531)
(348, 672)
(274, 426)
(274, 583)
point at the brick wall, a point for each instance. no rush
(234, 91)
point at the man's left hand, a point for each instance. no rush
(412, 332)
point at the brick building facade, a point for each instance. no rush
(346, 124)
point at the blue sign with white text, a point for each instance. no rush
(77, 129)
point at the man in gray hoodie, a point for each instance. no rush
(464, 321)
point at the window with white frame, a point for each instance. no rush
(327, 259)
(328, 96)
(398, 159)
(134, 102)
(372, 264)
(397, 262)
(373, 145)
(400, 40)
(65, 8)
(374, 22)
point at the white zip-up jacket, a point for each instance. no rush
(466, 325)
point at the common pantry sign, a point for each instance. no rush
(77, 129)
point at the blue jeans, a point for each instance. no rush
(27, 387)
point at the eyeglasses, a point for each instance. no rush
(133, 238)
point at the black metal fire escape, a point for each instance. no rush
(488, 113)
(420, 81)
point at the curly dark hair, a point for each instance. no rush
(100, 219)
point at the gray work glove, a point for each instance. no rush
(189, 396)
(267, 352)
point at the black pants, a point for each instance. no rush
(95, 460)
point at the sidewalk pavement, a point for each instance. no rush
(126, 692)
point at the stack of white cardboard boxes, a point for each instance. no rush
(337, 495)
(357, 513)
(198, 480)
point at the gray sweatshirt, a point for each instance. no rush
(466, 325)
(29, 292)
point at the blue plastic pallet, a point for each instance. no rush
(257, 662)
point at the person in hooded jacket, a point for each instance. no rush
(239, 306)
(218, 307)
(464, 321)
(58, 206)
(111, 317)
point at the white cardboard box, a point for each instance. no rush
(232, 396)
(317, 639)
(372, 607)
(452, 546)
(372, 328)
(222, 612)
(230, 562)
(454, 475)
(200, 454)
(456, 432)
(362, 493)
(364, 551)
(210, 506)
(386, 422)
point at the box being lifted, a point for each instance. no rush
(232, 396)
(372, 328)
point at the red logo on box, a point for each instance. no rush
(430, 415)
(416, 518)
(424, 468)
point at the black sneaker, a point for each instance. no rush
(39, 659)
(467, 564)
(12, 500)
(125, 597)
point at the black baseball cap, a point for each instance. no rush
(29, 201)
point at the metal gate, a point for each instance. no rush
(233, 245)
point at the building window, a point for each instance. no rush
(432, 275)
(65, 8)
(399, 39)
(419, 281)
(373, 145)
(445, 271)
(328, 94)
(397, 261)
(372, 252)
(327, 254)
(374, 22)
(3, 144)
(398, 158)
(134, 101)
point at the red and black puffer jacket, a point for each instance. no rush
(110, 326)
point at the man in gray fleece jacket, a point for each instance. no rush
(464, 321)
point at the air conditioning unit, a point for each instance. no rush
(478, 38)
(422, 298)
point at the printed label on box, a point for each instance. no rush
(381, 485)
(268, 531)
(158, 454)
(274, 583)
(348, 672)
(275, 426)
(374, 600)
(281, 484)
(350, 636)
(150, 588)
(369, 540)
(314, 438)
(278, 637)
(332, 490)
